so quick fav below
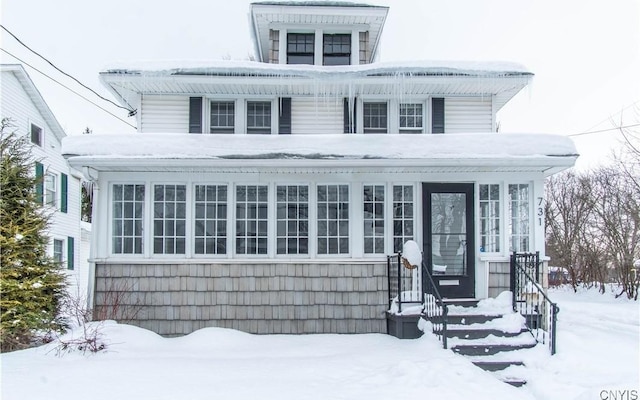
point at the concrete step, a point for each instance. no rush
(479, 333)
(488, 349)
(467, 319)
(467, 303)
(496, 365)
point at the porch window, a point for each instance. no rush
(336, 49)
(259, 117)
(300, 47)
(169, 219)
(410, 118)
(402, 215)
(58, 251)
(50, 190)
(251, 219)
(373, 207)
(519, 217)
(292, 205)
(128, 211)
(36, 135)
(374, 117)
(490, 218)
(210, 219)
(333, 219)
(222, 117)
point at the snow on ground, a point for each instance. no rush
(597, 350)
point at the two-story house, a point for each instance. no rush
(264, 196)
(59, 187)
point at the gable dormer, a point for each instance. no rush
(317, 33)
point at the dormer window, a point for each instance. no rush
(300, 47)
(336, 49)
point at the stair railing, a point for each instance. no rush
(530, 299)
(435, 310)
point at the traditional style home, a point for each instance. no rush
(59, 191)
(265, 195)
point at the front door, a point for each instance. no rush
(448, 237)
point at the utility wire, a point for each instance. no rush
(69, 89)
(130, 109)
(605, 130)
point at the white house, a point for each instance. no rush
(265, 196)
(60, 188)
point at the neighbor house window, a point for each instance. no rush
(402, 215)
(373, 207)
(58, 251)
(336, 49)
(222, 117)
(128, 211)
(36, 135)
(333, 219)
(292, 205)
(375, 117)
(169, 219)
(490, 218)
(210, 219)
(50, 190)
(259, 117)
(519, 217)
(300, 48)
(251, 219)
(411, 118)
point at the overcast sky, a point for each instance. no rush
(585, 53)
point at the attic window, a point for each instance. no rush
(300, 48)
(336, 49)
(36, 135)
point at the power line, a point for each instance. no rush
(69, 89)
(605, 130)
(130, 109)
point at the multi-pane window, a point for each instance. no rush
(251, 219)
(36, 135)
(300, 48)
(410, 118)
(259, 117)
(210, 219)
(292, 205)
(402, 215)
(222, 117)
(50, 189)
(373, 207)
(128, 211)
(333, 219)
(519, 217)
(374, 117)
(169, 219)
(336, 49)
(490, 218)
(58, 251)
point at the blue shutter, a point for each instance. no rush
(70, 252)
(63, 192)
(437, 115)
(39, 182)
(195, 114)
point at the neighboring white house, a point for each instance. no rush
(264, 196)
(60, 188)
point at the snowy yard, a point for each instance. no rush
(598, 350)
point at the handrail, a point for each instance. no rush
(540, 312)
(434, 309)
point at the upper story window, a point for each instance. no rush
(259, 117)
(36, 135)
(300, 47)
(222, 117)
(374, 117)
(410, 118)
(50, 190)
(336, 49)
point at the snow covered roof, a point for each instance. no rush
(534, 151)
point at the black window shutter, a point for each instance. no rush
(285, 116)
(39, 182)
(349, 119)
(70, 252)
(195, 114)
(437, 115)
(64, 189)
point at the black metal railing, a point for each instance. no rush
(530, 299)
(406, 289)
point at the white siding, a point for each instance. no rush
(316, 115)
(165, 114)
(467, 114)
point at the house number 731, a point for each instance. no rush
(540, 210)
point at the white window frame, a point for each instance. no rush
(525, 208)
(497, 218)
(393, 219)
(175, 236)
(50, 186)
(337, 220)
(58, 257)
(231, 128)
(384, 130)
(375, 218)
(217, 220)
(272, 120)
(143, 220)
(297, 220)
(268, 219)
(414, 129)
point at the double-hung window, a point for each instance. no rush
(374, 117)
(210, 219)
(402, 215)
(519, 217)
(169, 219)
(50, 189)
(222, 117)
(251, 219)
(58, 251)
(36, 135)
(292, 205)
(333, 219)
(410, 118)
(336, 49)
(259, 117)
(300, 48)
(490, 218)
(128, 212)
(373, 207)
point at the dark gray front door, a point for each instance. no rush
(448, 237)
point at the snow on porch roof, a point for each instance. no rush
(479, 149)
